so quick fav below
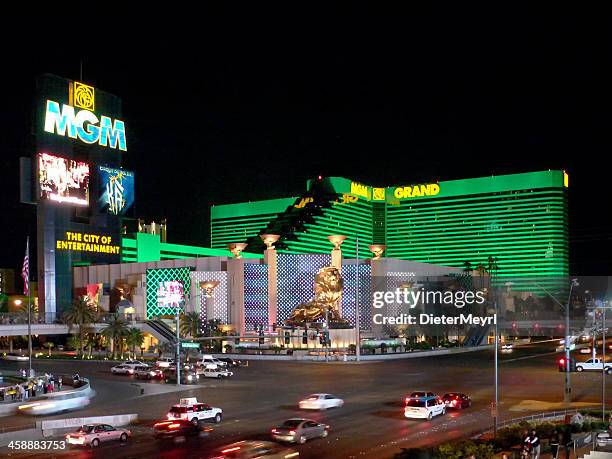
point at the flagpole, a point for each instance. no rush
(29, 313)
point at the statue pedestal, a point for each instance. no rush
(341, 338)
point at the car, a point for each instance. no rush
(507, 348)
(586, 350)
(164, 362)
(230, 362)
(298, 430)
(594, 365)
(603, 440)
(187, 377)
(191, 410)
(146, 372)
(16, 357)
(320, 402)
(122, 369)
(134, 362)
(457, 400)
(177, 428)
(254, 449)
(208, 361)
(218, 373)
(424, 407)
(94, 434)
(54, 403)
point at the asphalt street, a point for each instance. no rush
(370, 424)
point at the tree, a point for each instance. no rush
(134, 338)
(81, 316)
(115, 330)
(190, 324)
(49, 345)
(73, 341)
(165, 348)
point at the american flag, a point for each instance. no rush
(25, 271)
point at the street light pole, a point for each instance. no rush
(603, 368)
(178, 347)
(357, 313)
(326, 334)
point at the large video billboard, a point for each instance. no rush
(63, 180)
(116, 190)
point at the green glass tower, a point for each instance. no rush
(520, 220)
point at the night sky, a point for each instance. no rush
(224, 110)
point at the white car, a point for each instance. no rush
(320, 402)
(424, 407)
(593, 365)
(94, 434)
(208, 361)
(586, 350)
(134, 362)
(217, 373)
(55, 403)
(123, 369)
(16, 357)
(164, 362)
(190, 409)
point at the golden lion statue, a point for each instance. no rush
(328, 288)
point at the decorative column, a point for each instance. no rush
(336, 253)
(207, 306)
(235, 274)
(377, 250)
(271, 260)
(336, 256)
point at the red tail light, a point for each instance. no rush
(174, 426)
(292, 432)
(229, 450)
(158, 424)
(562, 362)
(274, 431)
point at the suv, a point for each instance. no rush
(208, 361)
(164, 362)
(424, 407)
(191, 410)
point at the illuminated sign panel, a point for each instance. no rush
(416, 191)
(63, 180)
(116, 190)
(170, 294)
(84, 124)
(360, 190)
(87, 242)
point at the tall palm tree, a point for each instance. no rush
(134, 338)
(115, 330)
(190, 324)
(81, 316)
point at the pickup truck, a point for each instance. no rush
(593, 365)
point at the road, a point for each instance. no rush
(370, 424)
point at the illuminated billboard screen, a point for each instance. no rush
(170, 294)
(116, 190)
(63, 180)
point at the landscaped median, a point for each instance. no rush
(573, 428)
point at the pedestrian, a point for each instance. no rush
(535, 444)
(526, 451)
(52, 379)
(23, 373)
(34, 386)
(59, 383)
(567, 441)
(555, 441)
(45, 388)
(21, 392)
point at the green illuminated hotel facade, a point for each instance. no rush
(519, 219)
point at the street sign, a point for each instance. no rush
(191, 345)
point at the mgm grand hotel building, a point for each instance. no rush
(520, 220)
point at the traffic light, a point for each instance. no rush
(327, 340)
(572, 364)
(274, 327)
(286, 337)
(322, 338)
(236, 341)
(261, 340)
(305, 337)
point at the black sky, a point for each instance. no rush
(223, 108)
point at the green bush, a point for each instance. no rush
(452, 450)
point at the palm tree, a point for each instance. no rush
(80, 315)
(134, 338)
(115, 330)
(49, 345)
(190, 324)
(165, 348)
